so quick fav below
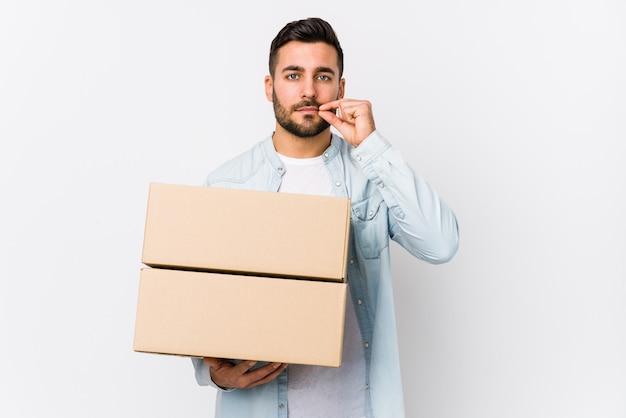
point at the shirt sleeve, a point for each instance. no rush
(419, 220)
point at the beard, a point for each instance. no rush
(309, 127)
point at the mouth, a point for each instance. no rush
(308, 109)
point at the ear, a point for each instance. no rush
(269, 88)
(342, 88)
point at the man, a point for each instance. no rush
(389, 200)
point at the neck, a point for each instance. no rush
(294, 146)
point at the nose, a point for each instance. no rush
(308, 90)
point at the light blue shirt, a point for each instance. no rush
(389, 200)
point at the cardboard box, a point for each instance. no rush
(243, 231)
(203, 314)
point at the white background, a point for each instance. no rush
(513, 110)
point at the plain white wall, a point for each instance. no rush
(513, 110)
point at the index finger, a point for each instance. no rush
(244, 366)
(329, 105)
(263, 374)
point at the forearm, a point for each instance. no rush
(419, 220)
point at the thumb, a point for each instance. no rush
(329, 116)
(334, 120)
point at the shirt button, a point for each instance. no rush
(358, 158)
(359, 302)
(352, 261)
(370, 213)
(381, 185)
(337, 183)
(367, 387)
(367, 345)
(280, 169)
(281, 406)
(326, 155)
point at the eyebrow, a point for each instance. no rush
(301, 70)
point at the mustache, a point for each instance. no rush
(306, 103)
(309, 103)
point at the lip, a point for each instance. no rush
(308, 109)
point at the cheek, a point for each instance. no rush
(330, 96)
(282, 94)
(331, 93)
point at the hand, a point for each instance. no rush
(354, 119)
(239, 376)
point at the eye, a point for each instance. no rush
(292, 76)
(323, 77)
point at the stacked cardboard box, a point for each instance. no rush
(243, 275)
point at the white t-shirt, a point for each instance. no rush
(315, 391)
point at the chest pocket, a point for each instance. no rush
(369, 222)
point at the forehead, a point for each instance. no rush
(307, 55)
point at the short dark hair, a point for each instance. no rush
(309, 30)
